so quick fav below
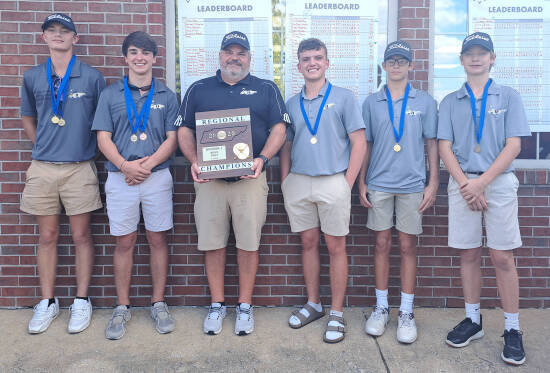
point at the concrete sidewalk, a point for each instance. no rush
(273, 347)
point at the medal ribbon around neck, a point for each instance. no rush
(63, 89)
(398, 135)
(313, 130)
(138, 120)
(479, 132)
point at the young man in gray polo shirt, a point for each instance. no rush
(319, 164)
(135, 131)
(480, 130)
(400, 120)
(58, 101)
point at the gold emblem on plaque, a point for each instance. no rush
(133, 138)
(397, 148)
(143, 136)
(313, 140)
(61, 122)
(241, 150)
(55, 119)
(222, 135)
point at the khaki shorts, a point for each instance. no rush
(501, 217)
(311, 201)
(407, 217)
(50, 185)
(154, 195)
(243, 202)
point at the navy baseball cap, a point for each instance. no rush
(477, 38)
(398, 48)
(60, 18)
(235, 37)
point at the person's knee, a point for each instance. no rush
(156, 240)
(48, 237)
(470, 256)
(126, 243)
(383, 243)
(502, 260)
(82, 238)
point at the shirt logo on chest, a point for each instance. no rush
(157, 106)
(328, 106)
(248, 92)
(496, 111)
(412, 112)
(76, 94)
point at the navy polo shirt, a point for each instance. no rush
(261, 96)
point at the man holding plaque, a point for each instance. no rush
(323, 152)
(240, 200)
(136, 133)
(400, 120)
(58, 101)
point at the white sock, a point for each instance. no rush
(296, 321)
(334, 335)
(472, 311)
(511, 321)
(382, 298)
(406, 302)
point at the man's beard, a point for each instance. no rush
(236, 75)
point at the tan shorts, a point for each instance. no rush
(407, 217)
(501, 217)
(243, 202)
(50, 185)
(311, 201)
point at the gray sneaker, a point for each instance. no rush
(115, 327)
(163, 320)
(244, 322)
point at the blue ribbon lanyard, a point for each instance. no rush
(63, 90)
(138, 120)
(313, 130)
(479, 131)
(398, 135)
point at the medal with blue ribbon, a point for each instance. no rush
(138, 120)
(62, 91)
(398, 135)
(313, 130)
(479, 131)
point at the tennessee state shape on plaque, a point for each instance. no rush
(224, 143)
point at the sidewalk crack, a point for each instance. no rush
(381, 355)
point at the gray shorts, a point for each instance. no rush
(407, 217)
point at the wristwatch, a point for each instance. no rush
(263, 158)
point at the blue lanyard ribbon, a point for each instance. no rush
(138, 120)
(313, 130)
(479, 131)
(63, 89)
(398, 135)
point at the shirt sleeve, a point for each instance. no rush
(367, 120)
(277, 108)
(28, 102)
(352, 114)
(102, 118)
(444, 123)
(186, 113)
(515, 119)
(99, 87)
(171, 112)
(429, 121)
(290, 129)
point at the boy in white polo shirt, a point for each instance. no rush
(480, 126)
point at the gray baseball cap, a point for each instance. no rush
(398, 48)
(60, 18)
(477, 38)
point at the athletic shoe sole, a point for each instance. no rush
(405, 341)
(213, 332)
(512, 361)
(478, 335)
(44, 328)
(75, 331)
(244, 332)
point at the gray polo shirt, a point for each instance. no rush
(505, 117)
(75, 141)
(404, 171)
(341, 116)
(111, 116)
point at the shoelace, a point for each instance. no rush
(378, 313)
(78, 312)
(161, 311)
(214, 311)
(247, 313)
(40, 312)
(118, 316)
(406, 319)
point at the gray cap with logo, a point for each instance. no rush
(235, 37)
(398, 48)
(60, 18)
(477, 38)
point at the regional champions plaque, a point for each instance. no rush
(224, 143)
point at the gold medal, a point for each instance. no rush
(143, 136)
(133, 138)
(313, 140)
(477, 148)
(55, 119)
(397, 148)
(61, 122)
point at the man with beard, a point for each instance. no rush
(243, 201)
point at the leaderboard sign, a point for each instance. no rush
(202, 25)
(349, 29)
(521, 34)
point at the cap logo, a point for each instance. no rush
(232, 36)
(398, 45)
(476, 36)
(58, 16)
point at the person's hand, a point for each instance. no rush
(479, 204)
(134, 171)
(472, 190)
(257, 167)
(363, 195)
(430, 193)
(195, 172)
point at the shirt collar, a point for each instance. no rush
(381, 94)
(320, 94)
(245, 80)
(494, 89)
(159, 87)
(75, 71)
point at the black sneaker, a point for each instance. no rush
(463, 333)
(513, 352)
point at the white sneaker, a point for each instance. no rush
(377, 321)
(43, 316)
(214, 320)
(406, 327)
(244, 322)
(81, 315)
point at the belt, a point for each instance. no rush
(232, 179)
(474, 172)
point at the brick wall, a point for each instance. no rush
(279, 280)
